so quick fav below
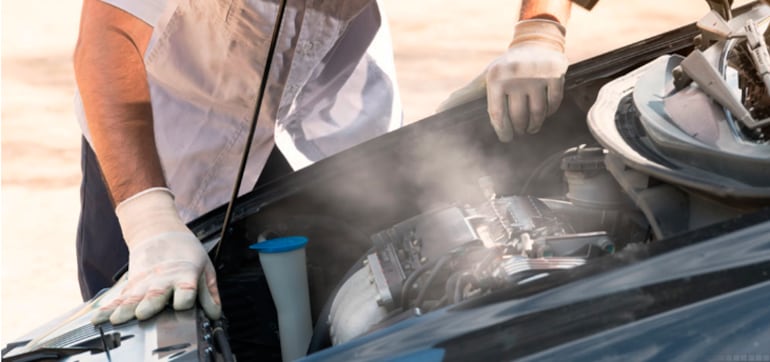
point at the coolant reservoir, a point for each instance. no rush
(283, 262)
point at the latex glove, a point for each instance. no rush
(165, 259)
(525, 84)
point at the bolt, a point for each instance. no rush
(423, 260)
(379, 301)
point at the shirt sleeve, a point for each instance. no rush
(587, 4)
(147, 10)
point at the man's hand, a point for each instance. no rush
(165, 260)
(524, 85)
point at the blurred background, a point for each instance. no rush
(439, 46)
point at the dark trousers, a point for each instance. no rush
(101, 250)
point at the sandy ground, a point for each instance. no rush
(439, 45)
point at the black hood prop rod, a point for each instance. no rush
(260, 97)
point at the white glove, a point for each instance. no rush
(165, 258)
(525, 84)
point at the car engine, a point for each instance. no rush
(447, 255)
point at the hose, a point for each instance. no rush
(222, 343)
(433, 272)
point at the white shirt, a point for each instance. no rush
(331, 86)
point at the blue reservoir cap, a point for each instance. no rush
(280, 245)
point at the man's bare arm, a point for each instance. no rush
(557, 10)
(166, 260)
(111, 77)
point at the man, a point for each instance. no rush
(168, 90)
